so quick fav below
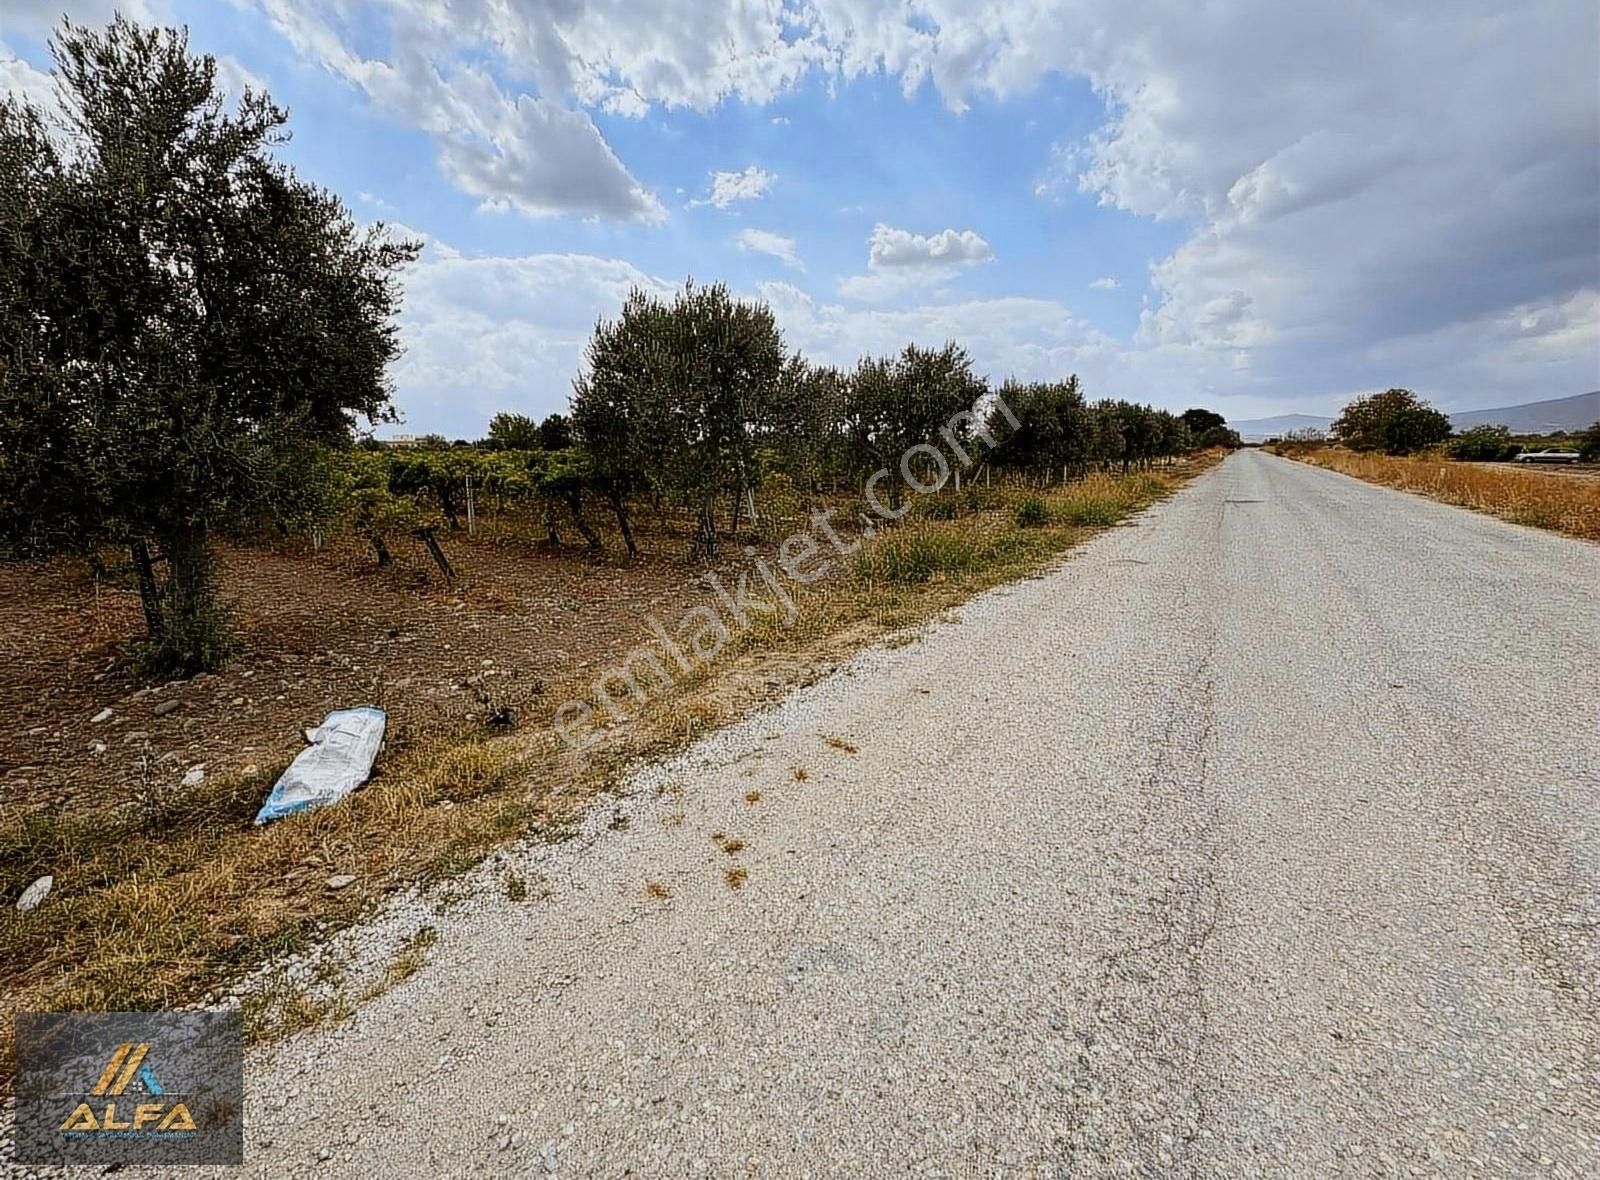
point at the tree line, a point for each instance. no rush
(192, 340)
(1398, 422)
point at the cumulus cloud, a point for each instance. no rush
(516, 151)
(34, 86)
(764, 242)
(1356, 185)
(889, 248)
(486, 333)
(729, 187)
(541, 159)
(489, 333)
(1361, 216)
(1105, 283)
(901, 262)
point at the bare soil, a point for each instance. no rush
(315, 632)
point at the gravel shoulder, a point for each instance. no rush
(1259, 837)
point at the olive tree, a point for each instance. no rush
(1395, 421)
(674, 393)
(894, 404)
(186, 324)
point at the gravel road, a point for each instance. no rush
(1262, 837)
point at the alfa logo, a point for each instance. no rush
(156, 1117)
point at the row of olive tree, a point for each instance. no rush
(1048, 431)
(695, 398)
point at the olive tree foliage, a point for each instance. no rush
(1199, 420)
(674, 395)
(512, 432)
(1484, 444)
(1047, 431)
(894, 404)
(804, 429)
(555, 432)
(1053, 429)
(185, 326)
(1209, 429)
(1589, 444)
(1395, 421)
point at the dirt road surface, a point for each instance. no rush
(1262, 837)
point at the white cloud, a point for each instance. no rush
(40, 18)
(764, 242)
(889, 247)
(483, 334)
(520, 152)
(728, 187)
(233, 76)
(539, 158)
(1105, 283)
(1356, 184)
(900, 262)
(35, 86)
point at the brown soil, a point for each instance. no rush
(315, 632)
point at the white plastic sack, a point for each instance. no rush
(337, 761)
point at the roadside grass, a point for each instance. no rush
(1542, 500)
(161, 908)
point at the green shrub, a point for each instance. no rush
(1093, 508)
(1032, 513)
(1589, 444)
(1483, 444)
(912, 556)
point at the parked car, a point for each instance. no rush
(1546, 457)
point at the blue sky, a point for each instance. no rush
(1258, 207)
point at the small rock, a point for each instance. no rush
(195, 776)
(102, 715)
(341, 880)
(97, 747)
(165, 707)
(34, 894)
(251, 771)
(237, 701)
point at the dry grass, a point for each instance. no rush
(1570, 506)
(280, 1008)
(800, 773)
(161, 907)
(840, 744)
(658, 891)
(736, 876)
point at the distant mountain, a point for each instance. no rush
(1260, 429)
(1559, 413)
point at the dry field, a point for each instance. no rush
(1562, 500)
(164, 893)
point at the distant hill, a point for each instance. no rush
(1559, 413)
(1259, 429)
